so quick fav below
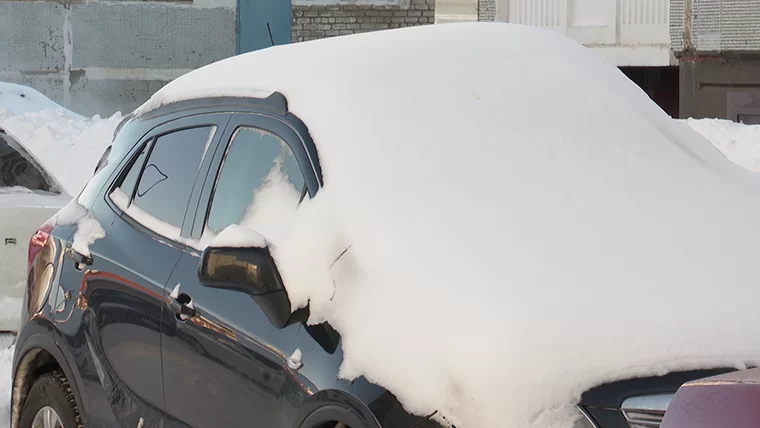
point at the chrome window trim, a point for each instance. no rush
(586, 416)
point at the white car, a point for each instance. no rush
(29, 195)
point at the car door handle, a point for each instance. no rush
(181, 304)
(80, 260)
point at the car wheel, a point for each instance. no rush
(51, 404)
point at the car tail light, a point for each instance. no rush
(37, 243)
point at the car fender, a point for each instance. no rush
(334, 405)
(36, 337)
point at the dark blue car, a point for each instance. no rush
(132, 323)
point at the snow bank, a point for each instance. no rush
(739, 142)
(522, 222)
(10, 308)
(69, 147)
(6, 364)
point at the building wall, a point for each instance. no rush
(103, 56)
(715, 26)
(719, 86)
(487, 10)
(718, 46)
(677, 24)
(624, 32)
(311, 22)
(726, 25)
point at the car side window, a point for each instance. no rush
(156, 188)
(259, 185)
(17, 169)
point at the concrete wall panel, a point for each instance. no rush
(50, 85)
(31, 34)
(105, 97)
(113, 35)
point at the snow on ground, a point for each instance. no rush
(10, 309)
(6, 363)
(739, 142)
(516, 235)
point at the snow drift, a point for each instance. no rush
(739, 142)
(523, 222)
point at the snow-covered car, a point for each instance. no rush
(385, 230)
(29, 195)
(18, 100)
(726, 401)
(47, 153)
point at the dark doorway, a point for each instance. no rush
(660, 83)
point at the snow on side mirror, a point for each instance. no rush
(251, 271)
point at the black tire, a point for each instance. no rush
(51, 389)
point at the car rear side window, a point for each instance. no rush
(259, 185)
(18, 169)
(129, 181)
(157, 187)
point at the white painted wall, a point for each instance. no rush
(626, 32)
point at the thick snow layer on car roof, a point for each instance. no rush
(67, 147)
(20, 99)
(523, 223)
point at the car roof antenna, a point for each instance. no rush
(271, 39)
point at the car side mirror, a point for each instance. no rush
(251, 271)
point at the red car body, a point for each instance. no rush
(731, 400)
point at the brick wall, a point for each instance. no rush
(486, 10)
(316, 22)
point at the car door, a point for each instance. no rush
(108, 308)
(224, 363)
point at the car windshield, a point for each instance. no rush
(18, 169)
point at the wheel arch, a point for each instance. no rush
(331, 406)
(37, 354)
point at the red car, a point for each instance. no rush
(730, 400)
